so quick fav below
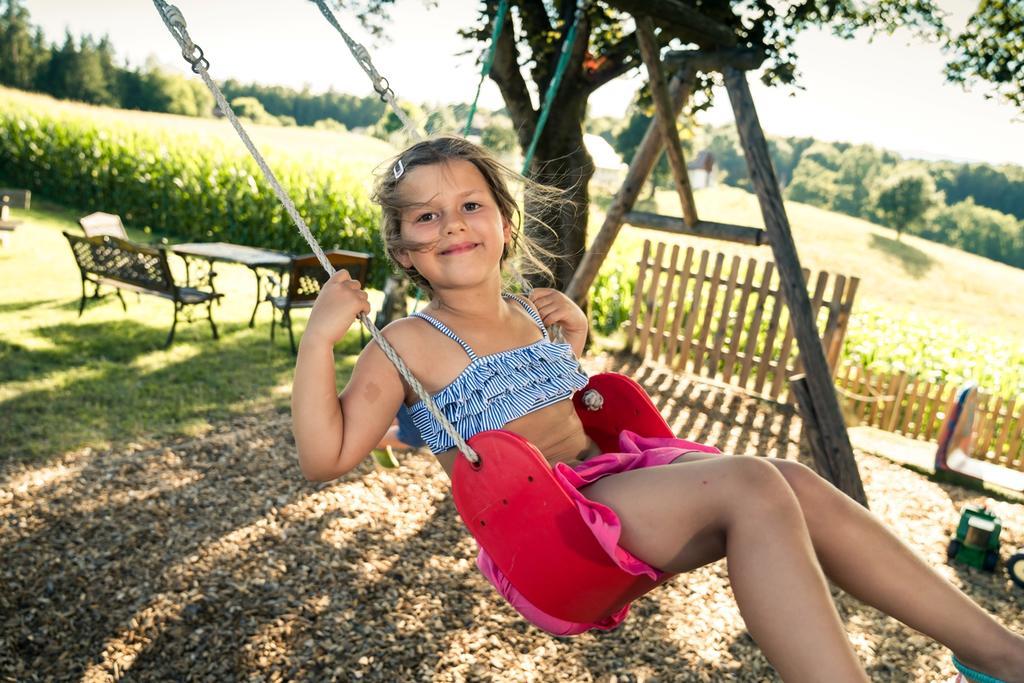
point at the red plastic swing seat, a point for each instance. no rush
(532, 529)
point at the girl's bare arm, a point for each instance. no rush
(332, 433)
(316, 410)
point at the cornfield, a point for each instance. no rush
(182, 187)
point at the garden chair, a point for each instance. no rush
(99, 223)
(11, 199)
(305, 277)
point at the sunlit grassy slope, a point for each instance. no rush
(911, 276)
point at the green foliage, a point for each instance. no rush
(937, 350)
(812, 184)
(151, 88)
(443, 120)
(857, 171)
(307, 108)
(611, 297)
(991, 49)
(999, 188)
(390, 124)
(904, 197)
(330, 124)
(498, 136)
(251, 109)
(979, 230)
(23, 52)
(824, 154)
(180, 186)
(83, 73)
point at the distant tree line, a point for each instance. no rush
(306, 108)
(976, 207)
(86, 69)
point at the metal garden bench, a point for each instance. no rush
(119, 263)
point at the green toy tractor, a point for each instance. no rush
(977, 538)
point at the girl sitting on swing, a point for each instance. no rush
(665, 506)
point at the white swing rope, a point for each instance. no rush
(193, 54)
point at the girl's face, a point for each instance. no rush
(452, 212)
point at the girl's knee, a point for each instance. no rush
(807, 484)
(759, 482)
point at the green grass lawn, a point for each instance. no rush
(68, 382)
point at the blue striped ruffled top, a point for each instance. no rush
(499, 387)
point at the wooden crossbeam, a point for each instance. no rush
(678, 14)
(665, 118)
(639, 168)
(744, 59)
(842, 469)
(710, 229)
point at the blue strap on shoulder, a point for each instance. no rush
(445, 330)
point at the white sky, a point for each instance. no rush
(889, 92)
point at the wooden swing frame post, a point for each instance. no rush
(816, 397)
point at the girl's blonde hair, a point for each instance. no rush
(523, 257)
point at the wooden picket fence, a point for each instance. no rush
(915, 408)
(695, 314)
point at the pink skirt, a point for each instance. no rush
(636, 453)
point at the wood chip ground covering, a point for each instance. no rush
(213, 559)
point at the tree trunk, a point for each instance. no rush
(562, 161)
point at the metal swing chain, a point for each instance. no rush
(499, 22)
(556, 80)
(193, 54)
(362, 56)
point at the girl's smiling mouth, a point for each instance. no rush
(459, 248)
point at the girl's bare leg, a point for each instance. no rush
(684, 516)
(870, 563)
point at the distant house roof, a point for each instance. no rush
(601, 151)
(704, 161)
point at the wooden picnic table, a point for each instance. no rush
(255, 259)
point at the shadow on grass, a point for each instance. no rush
(915, 262)
(18, 306)
(98, 383)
